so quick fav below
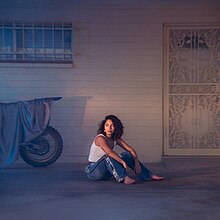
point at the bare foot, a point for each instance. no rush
(157, 178)
(128, 180)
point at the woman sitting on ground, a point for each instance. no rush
(104, 162)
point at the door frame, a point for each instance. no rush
(166, 149)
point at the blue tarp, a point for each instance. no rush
(20, 122)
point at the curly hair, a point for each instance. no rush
(119, 128)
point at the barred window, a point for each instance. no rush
(36, 42)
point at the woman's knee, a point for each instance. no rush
(128, 158)
(126, 154)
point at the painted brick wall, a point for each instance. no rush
(118, 68)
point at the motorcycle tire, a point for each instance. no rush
(43, 150)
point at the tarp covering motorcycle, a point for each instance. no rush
(20, 122)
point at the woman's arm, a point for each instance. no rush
(101, 142)
(128, 148)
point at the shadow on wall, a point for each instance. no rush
(70, 111)
(68, 116)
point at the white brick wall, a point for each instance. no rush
(119, 69)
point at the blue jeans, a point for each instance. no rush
(107, 167)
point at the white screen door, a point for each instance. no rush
(192, 89)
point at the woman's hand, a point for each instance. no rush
(125, 165)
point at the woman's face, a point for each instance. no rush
(109, 128)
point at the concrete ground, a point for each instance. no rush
(190, 191)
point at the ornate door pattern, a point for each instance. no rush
(192, 90)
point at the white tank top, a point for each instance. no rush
(96, 152)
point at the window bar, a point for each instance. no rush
(43, 32)
(62, 41)
(3, 40)
(33, 47)
(53, 42)
(14, 41)
(23, 41)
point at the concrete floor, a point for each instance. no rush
(190, 191)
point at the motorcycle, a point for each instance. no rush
(43, 150)
(38, 143)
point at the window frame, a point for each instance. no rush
(19, 42)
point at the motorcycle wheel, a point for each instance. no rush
(43, 150)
